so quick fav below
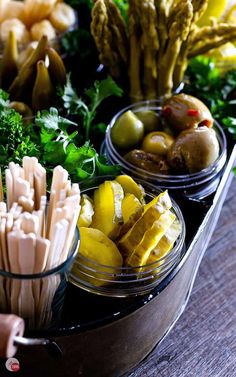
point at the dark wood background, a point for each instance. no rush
(203, 342)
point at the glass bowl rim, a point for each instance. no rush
(55, 270)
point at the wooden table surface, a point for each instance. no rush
(203, 342)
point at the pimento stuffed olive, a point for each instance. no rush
(183, 111)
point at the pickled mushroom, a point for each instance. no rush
(193, 150)
(183, 111)
(147, 161)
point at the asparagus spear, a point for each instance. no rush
(199, 7)
(118, 29)
(150, 46)
(178, 33)
(136, 93)
(100, 29)
(163, 8)
(208, 38)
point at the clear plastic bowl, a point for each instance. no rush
(126, 281)
(55, 42)
(197, 185)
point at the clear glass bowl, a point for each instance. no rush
(126, 281)
(39, 297)
(55, 42)
(197, 185)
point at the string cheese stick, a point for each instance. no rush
(60, 243)
(43, 204)
(75, 189)
(41, 255)
(42, 171)
(26, 167)
(60, 177)
(9, 185)
(13, 247)
(27, 244)
(1, 189)
(70, 233)
(67, 187)
(3, 207)
(22, 188)
(57, 230)
(13, 208)
(26, 203)
(30, 223)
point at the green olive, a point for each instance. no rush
(157, 142)
(128, 131)
(150, 119)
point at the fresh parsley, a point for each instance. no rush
(215, 89)
(86, 108)
(59, 145)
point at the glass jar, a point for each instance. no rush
(196, 185)
(126, 281)
(38, 298)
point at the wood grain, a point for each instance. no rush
(203, 342)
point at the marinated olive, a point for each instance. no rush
(157, 143)
(193, 150)
(183, 112)
(150, 119)
(128, 131)
(147, 161)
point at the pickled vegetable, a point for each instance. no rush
(132, 210)
(98, 248)
(87, 211)
(62, 17)
(107, 207)
(147, 161)
(194, 150)
(19, 29)
(128, 131)
(131, 187)
(166, 243)
(134, 236)
(183, 111)
(150, 120)
(150, 239)
(8, 63)
(42, 28)
(43, 89)
(157, 143)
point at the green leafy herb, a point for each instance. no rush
(84, 162)
(95, 96)
(52, 120)
(58, 146)
(216, 90)
(15, 143)
(4, 99)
